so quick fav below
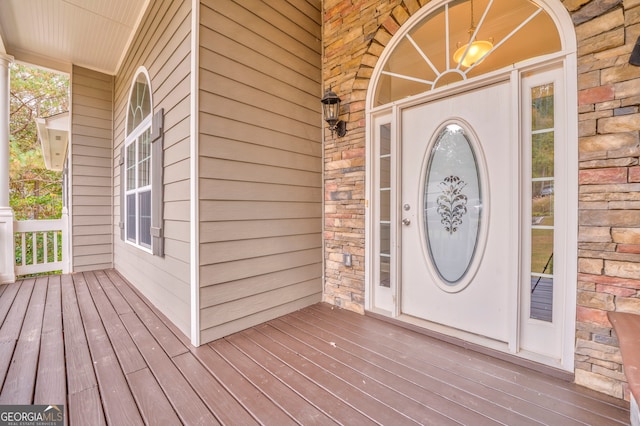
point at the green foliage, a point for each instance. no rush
(35, 192)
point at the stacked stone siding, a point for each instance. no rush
(355, 35)
(609, 193)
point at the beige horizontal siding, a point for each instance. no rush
(260, 162)
(91, 169)
(162, 45)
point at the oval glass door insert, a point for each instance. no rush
(452, 205)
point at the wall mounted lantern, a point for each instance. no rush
(331, 108)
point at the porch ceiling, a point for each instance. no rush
(57, 33)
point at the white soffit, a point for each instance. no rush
(53, 134)
(93, 34)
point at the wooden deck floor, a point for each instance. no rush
(91, 342)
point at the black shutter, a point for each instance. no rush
(157, 189)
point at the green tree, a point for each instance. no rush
(35, 192)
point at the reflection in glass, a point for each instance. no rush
(144, 159)
(385, 271)
(542, 201)
(542, 251)
(385, 255)
(542, 111)
(384, 208)
(542, 204)
(131, 217)
(145, 218)
(131, 166)
(542, 154)
(452, 204)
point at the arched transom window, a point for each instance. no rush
(463, 39)
(137, 161)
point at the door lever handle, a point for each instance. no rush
(406, 222)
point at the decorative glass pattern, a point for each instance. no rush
(452, 204)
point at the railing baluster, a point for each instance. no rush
(45, 247)
(34, 248)
(23, 238)
(55, 246)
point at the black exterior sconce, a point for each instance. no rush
(634, 59)
(331, 108)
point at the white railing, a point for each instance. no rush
(41, 246)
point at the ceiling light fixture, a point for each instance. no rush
(473, 51)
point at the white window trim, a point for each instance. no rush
(133, 139)
(145, 125)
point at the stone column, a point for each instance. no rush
(7, 256)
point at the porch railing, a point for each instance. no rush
(41, 246)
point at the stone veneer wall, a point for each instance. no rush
(355, 34)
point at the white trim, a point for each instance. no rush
(571, 214)
(7, 253)
(69, 199)
(516, 224)
(194, 191)
(567, 55)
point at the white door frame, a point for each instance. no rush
(568, 58)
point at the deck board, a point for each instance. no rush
(125, 349)
(288, 400)
(449, 376)
(20, 381)
(51, 382)
(12, 325)
(94, 342)
(185, 401)
(119, 404)
(334, 407)
(382, 403)
(154, 404)
(419, 393)
(226, 408)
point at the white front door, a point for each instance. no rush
(459, 212)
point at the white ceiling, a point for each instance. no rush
(57, 33)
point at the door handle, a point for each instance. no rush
(406, 222)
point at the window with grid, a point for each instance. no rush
(137, 161)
